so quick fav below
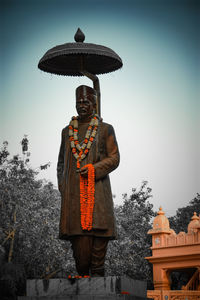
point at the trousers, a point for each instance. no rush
(89, 253)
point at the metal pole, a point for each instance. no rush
(96, 85)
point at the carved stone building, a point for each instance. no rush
(175, 254)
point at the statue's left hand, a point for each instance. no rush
(84, 171)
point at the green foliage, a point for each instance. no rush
(183, 216)
(37, 207)
(127, 254)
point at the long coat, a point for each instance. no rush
(104, 155)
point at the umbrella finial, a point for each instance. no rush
(79, 36)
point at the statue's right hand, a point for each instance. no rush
(60, 187)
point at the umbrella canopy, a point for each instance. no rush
(72, 58)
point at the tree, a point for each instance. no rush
(127, 254)
(183, 216)
(29, 219)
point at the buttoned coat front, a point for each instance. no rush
(104, 155)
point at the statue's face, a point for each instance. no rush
(85, 104)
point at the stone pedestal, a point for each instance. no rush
(95, 288)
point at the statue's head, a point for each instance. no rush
(85, 101)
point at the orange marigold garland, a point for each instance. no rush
(87, 189)
(87, 185)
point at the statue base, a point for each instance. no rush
(95, 288)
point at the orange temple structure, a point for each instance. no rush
(171, 253)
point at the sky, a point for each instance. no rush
(152, 102)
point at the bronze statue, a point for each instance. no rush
(88, 153)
